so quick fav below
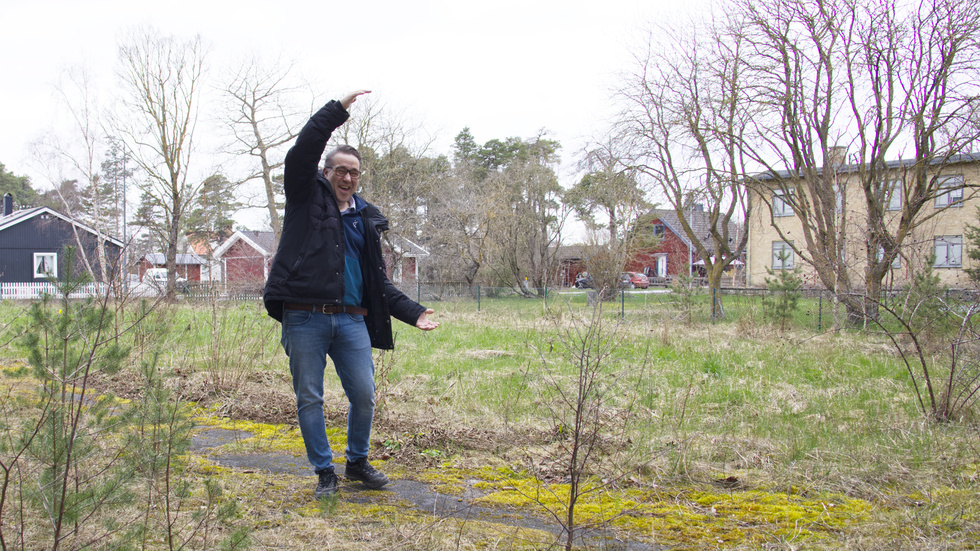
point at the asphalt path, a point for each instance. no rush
(208, 442)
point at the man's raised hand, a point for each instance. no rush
(350, 98)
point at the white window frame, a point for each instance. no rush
(896, 263)
(894, 190)
(949, 251)
(780, 206)
(952, 197)
(51, 261)
(783, 247)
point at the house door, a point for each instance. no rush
(662, 266)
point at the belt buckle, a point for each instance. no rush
(323, 308)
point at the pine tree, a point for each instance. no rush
(781, 302)
(211, 217)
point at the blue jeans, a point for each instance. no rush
(308, 338)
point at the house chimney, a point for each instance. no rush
(836, 155)
(8, 204)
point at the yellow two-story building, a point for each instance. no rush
(939, 234)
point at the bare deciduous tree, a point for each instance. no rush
(582, 375)
(498, 212)
(263, 121)
(819, 100)
(398, 174)
(74, 167)
(460, 218)
(459, 226)
(610, 189)
(531, 215)
(685, 120)
(846, 89)
(162, 79)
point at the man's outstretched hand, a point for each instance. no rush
(425, 323)
(350, 98)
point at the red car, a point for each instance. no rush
(635, 280)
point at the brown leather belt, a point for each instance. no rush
(326, 308)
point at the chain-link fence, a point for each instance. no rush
(691, 305)
(808, 309)
(811, 309)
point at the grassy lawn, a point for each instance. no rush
(733, 435)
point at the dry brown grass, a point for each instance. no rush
(780, 412)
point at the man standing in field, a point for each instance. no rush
(329, 289)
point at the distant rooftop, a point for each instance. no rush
(900, 163)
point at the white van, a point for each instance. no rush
(158, 277)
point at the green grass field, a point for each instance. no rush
(730, 434)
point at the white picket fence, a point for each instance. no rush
(33, 291)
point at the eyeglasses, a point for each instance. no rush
(344, 171)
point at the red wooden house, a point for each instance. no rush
(675, 255)
(402, 259)
(573, 261)
(245, 257)
(188, 265)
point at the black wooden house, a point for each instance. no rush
(33, 241)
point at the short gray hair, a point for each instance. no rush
(345, 149)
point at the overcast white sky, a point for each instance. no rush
(502, 67)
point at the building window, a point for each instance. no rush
(781, 202)
(659, 230)
(893, 194)
(953, 194)
(896, 263)
(45, 265)
(782, 255)
(949, 251)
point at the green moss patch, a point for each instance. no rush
(683, 516)
(268, 437)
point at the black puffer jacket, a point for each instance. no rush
(309, 264)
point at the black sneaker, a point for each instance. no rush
(362, 471)
(327, 486)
